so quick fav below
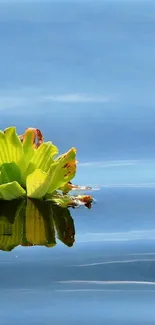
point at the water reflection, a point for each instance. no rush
(32, 222)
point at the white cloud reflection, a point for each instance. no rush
(98, 282)
(76, 98)
(27, 97)
(116, 236)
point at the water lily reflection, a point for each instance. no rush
(33, 222)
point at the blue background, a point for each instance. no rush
(84, 73)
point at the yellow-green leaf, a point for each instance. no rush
(37, 184)
(10, 146)
(42, 158)
(11, 191)
(10, 172)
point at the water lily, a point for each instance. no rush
(30, 167)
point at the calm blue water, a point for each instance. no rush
(84, 73)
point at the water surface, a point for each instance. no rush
(83, 72)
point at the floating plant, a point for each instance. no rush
(30, 167)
